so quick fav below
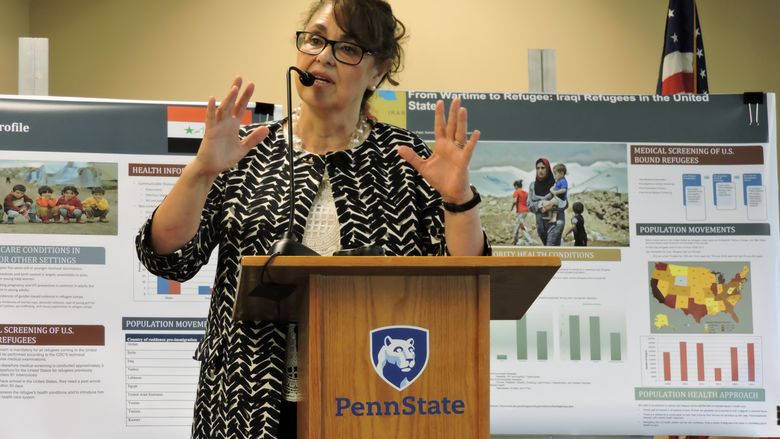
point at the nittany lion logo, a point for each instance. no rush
(399, 354)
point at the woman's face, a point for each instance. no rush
(541, 171)
(338, 86)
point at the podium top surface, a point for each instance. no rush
(515, 281)
(429, 264)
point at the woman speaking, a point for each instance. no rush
(358, 183)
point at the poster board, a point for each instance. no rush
(676, 192)
(666, 323)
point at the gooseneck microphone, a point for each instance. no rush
(288, 245)
(306, 78)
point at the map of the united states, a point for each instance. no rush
(697, 291)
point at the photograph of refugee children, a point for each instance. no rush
(50, 197)
(553, 194)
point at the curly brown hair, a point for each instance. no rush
(371, 24)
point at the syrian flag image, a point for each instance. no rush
(186, 125)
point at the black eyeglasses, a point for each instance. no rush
(344, 52)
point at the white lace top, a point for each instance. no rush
(321, 233)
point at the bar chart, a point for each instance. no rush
(586, 337)
(167, 286)
(701, 361)
(530, 338)
(578, 336)
(148, 287)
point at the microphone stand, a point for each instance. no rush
(288, 245)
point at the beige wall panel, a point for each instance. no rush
(171, 49)
(742, 41)
(186, 50)
(14, 23)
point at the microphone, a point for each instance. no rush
(306, 78)
(288, 245)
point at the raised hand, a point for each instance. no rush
(447, 168)
(221, 147)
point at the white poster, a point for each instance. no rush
(665, 323)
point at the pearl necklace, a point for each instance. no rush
(363, 126)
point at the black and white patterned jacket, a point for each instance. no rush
(380, 200)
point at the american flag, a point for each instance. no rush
(683, 69)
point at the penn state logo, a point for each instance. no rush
(399, 354)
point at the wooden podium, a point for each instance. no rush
(342, 303)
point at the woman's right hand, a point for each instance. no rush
(178, 218)
(221, 147)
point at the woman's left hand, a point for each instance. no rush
(447, 168)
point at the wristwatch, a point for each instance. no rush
(468, 205)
